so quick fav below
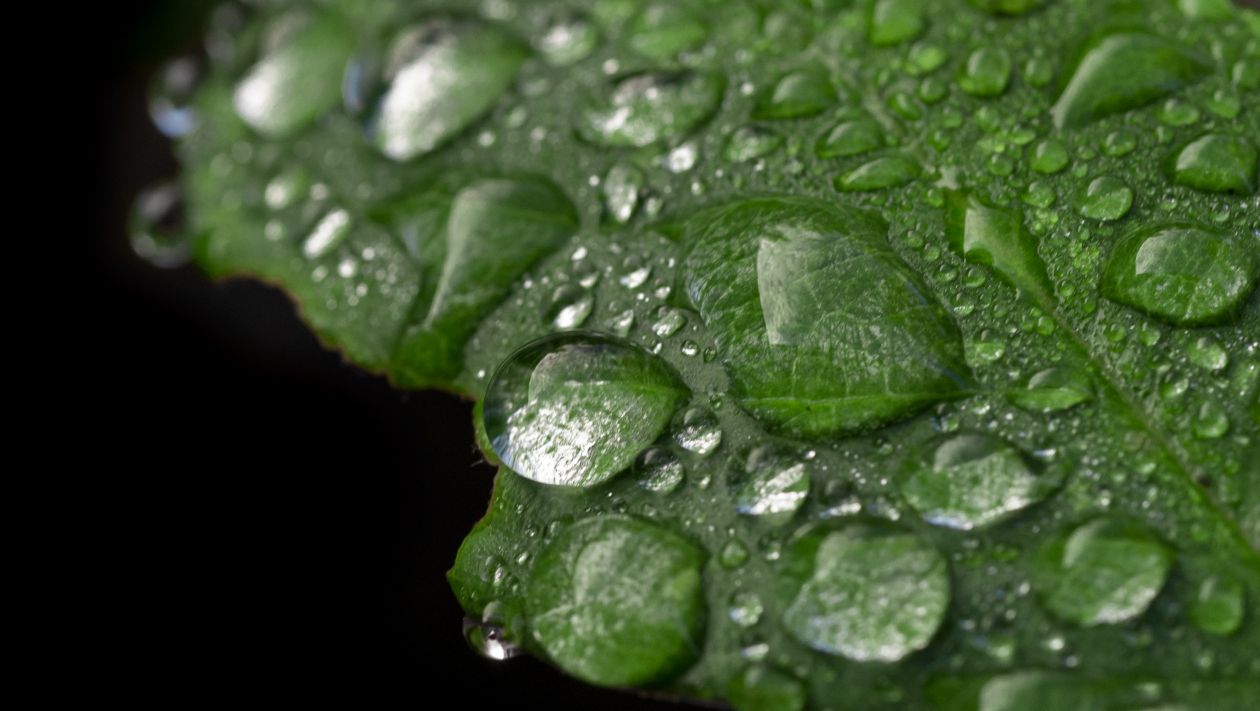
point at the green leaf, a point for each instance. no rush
(441, 76)
(836, 354)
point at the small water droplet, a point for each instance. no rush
(698, 431)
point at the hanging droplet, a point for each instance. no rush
(170, 98)
(158, 233)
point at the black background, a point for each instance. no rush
(274, 524)
(267, 522)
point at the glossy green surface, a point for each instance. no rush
(851, 354)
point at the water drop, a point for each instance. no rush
(568, 40)
(774, 485)
(746, 609)
(170, 98)
(895, 21)
(1054, 390)
(441, 76)
(1050, 156)
(1122, 71)
(298, 78)
(1209, 354)
(1104, 572)
(622, 187)
(969, 481)
(865, 592)
(890, 171)
(850, 138)
(570, 306)
(1180, 272)
(487, 635)
(1216, 163)
(733, 555)
(329, 232)
(986, 72)
(643, 109)
(664, 29)
(157, 229)
(617, 601)
(1105, 199)
(574, 409)
(800, 94)
(697, 430)
(669, 323)
(1211, 422)
(659, 471)
(1219, 605)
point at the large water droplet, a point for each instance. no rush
(487, 635)
(802, 93)
(659, 471)
(1216, 163)
(1054, 390)
(746, 608)
(821, 326)
(645, 108)
(617, 601)
(1050, 156)
(1182, 273)
(1106, 199)
(970, 480)
(774, 484)
(895, 21)
(851, 138)
(986, 73)
(1103, 572)
(574, 409)
(441, 76)
(298, 78)
(996, 238)
(1122, 71)
(866, 592)
(890, 171)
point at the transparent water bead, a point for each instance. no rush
(868, 592)
(1105, 571)
(157, 229)
(697, 430)
(774, 485)
(441, 76)
(967, 481)
(576, 408)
